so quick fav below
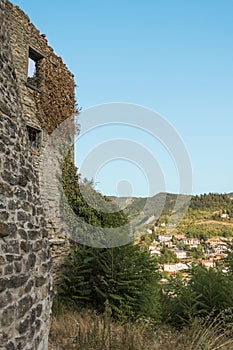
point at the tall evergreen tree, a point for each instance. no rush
(125, 277)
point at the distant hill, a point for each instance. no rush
(209, 215)
(145, 211)
(206, 214)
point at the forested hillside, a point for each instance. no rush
(207, 215)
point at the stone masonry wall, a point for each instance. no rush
(45, 107)
(25, 263)
(53, 100)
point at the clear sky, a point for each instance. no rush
(172, 56)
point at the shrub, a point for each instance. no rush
(125, 277)
(207, 292)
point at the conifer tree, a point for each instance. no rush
(124, 276)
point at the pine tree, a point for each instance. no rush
(125, 277)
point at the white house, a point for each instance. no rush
(181, 266)
(149, 231)
(179, 236)
(175, 267)
(181, 254)
(154, 250)
(225, 216)
(221, 248)
(208, 263)
(192, 242)
(164, 239)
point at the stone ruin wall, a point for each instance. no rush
(45, 107)
(28, 206)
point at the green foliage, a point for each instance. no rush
(206, 292)
(203, 231)
(197, 253)
(229, 260)
(125, 277)
(212, 201)
(167, 256)
(87, 203)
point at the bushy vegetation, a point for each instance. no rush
(167, 256)
(120, 288)
(204, 219)
(206, 292)
(87, 203)
(212, 201)
(124, 277)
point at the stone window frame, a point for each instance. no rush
(36, 56)
(34, 136)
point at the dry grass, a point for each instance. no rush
(87, 331)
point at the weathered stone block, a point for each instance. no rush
(4, 229)
(23, 326)
(40, 281)
(23, 234)
(24, 306)
(2, 260)
(28, 287)
(9, 177)
(8, 269)
(5, 189)
(5, 299)
(22, 216)
(3, 284)
(38, 246)
(4, 215)
(18, 266)
(8, 316)
(10, 346)
(9, 257)
(17, 281)
(33, 235)
(31, 261)
(22, 181)
(25, 246)
(39, 310)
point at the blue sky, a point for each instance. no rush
(172, 56)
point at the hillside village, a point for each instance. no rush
(202, 237)
(177, 253)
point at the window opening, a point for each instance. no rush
(33, 59)
(34, 136)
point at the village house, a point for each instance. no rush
(173, 268)
(164, 238)
(153, 250)
(214, 241)
(221, 248)
(225, 216)
(181, 254)
(208, 263)
(192, 242)
(179, 236)
(149, 231)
